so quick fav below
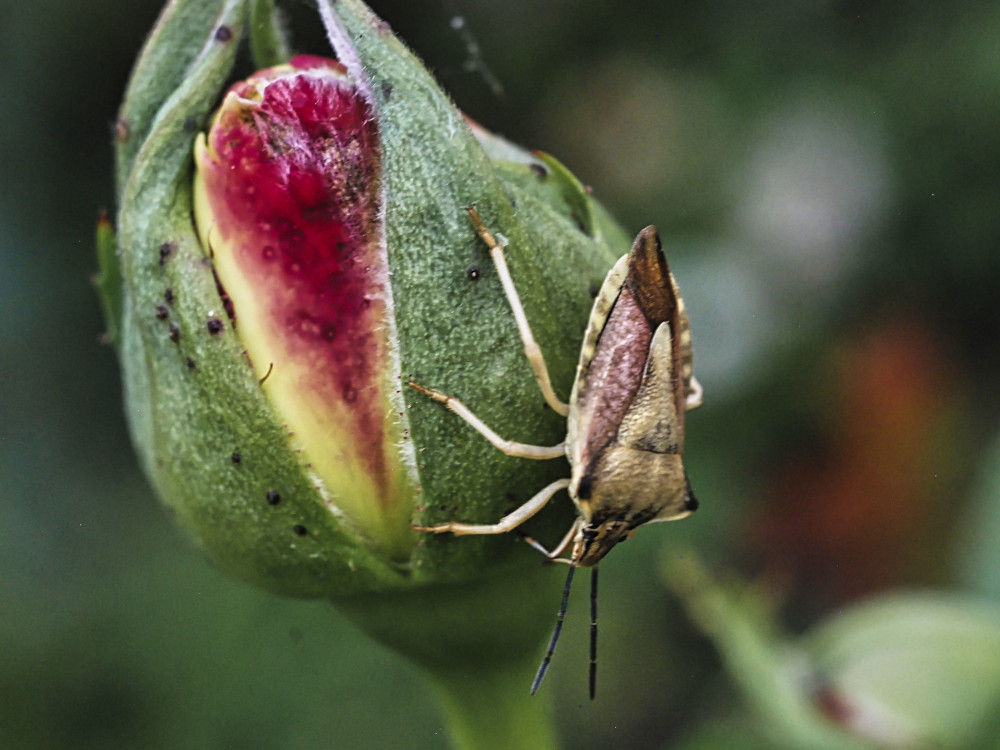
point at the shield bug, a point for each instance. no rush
(625, 417)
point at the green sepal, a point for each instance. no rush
(169, 56)
(542, 176)
(108, 280)
(571, 190)
(269, 45)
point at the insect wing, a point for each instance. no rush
(592, 422)
(654, 288)
(639, 299)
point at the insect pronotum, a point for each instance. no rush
(624, 420)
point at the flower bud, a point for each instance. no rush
(274, 307)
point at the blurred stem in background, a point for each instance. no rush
(872, 676)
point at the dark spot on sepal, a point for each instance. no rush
(168, 295)
(236, 458)
(190, 363)
(539, 169)
(273, 497)
(166, 250)
(214, 326)
(223, 34)
(473, 273)
(191, 125)
(386, 89)
(162, 312)
(300, 529)
(175, 332)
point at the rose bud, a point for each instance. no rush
(274, 308)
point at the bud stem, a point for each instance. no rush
(480, 643)
(492, 709)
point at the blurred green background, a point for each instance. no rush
(826, 176)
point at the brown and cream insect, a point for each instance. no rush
(625, 417)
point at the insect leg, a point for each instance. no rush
(518, 450)
(560, 616)
(509, 522)
(694, 394)
(562, 546)
(531, 349)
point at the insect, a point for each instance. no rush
(625, 418)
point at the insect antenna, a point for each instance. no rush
(555, 633)
(593, 632)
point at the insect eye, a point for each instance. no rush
(583, 491)
(588, 532)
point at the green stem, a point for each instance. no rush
(492, 710)
(481, 643)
